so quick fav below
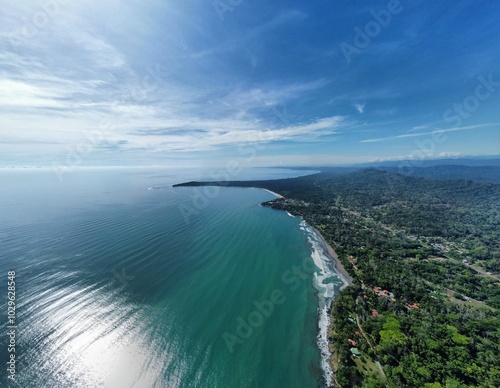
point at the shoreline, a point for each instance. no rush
(272, 192)
(329, 357)
(333, 358)
(330, 362)
(331, 252)
(333, 255)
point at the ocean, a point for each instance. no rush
(123, 281)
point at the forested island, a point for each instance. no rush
(424, 255)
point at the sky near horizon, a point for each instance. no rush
(200, 83)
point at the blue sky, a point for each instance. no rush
(200, 83)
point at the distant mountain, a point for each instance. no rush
(464, 161)
(478, 173)
(476, 169)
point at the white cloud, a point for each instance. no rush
(271, 95)
(219, 133)
(219, 85)
(360, 107)
(23, 95)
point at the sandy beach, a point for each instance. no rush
(333, 254)
(273, 193)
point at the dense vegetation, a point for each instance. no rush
(424, 255)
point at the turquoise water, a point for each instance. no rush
(121, 286)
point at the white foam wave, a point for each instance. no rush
(327, 282)
(160, 187)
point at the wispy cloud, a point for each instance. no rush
(409, 135)
(360, 107)
(198, 134)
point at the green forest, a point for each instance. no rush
(424, 255)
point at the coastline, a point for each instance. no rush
(328, 278)
(333, 255)
(328, 352)
(332, 358)
(331, 252)
(329, 355)
(272, 192)
(326, 297)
